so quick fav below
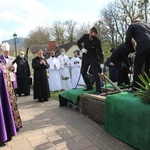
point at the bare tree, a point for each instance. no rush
(58, 32)
(39, 35)
(70, 26)
(130, 9)
(82, 29)
(110, 25)
(116, 17)
(144, 10)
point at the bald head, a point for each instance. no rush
(21, 54)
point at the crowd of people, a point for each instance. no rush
(137, 45)
(65, 73)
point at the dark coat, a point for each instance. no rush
(92, 45)
(121, 54)
(22, 74)
(141, 33)
(120, 59)
(41, 87)
(112, 70)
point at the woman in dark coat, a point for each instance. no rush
(112, 68)
(23, 74)
(41, 87)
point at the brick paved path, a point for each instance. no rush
(50, 127)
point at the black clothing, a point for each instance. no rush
(112, 70)
(41, 87)
(22, 74)
(120, 60)
(93, 58)
(139, 61)
(141, 33)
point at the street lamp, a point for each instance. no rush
(15, 37)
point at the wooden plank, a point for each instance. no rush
(103, 77)
(97, 97)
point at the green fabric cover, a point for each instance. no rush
(128, 119)
(73, 94)
(108, 85)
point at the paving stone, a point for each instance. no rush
(46, 126)
(54, 138)
(82, 144)
(40, 141)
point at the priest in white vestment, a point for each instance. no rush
(54, 76)
(76, 76)
(64, 70)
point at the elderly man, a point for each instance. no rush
(7, 60)
(23, 74)
(64, 70)
(141, 34)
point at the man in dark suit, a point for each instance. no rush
(90, 46)
(141, 34)
(120, 60)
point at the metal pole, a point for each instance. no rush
(15, 37)
(15, 47)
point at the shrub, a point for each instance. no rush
(143, 92)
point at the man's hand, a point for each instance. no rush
(65, 63)
(42, 62)
(83, 50)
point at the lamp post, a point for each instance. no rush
(15, 37)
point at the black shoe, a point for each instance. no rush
(133, 90)
(98, 92)
(40, 100)
(26, 94)
(2, 144)
(9, 138)
(17, 129)
(45, 99)
(120, 84)
(88, 89)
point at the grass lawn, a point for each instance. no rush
(55, 95)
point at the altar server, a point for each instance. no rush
(54, 76)
(64, 70)
(76, 76)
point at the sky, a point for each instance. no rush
(22, 16)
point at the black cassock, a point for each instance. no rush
(23, 73)
(41, 87)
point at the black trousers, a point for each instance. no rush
(141, 64)
(95, 68)
(122, 72)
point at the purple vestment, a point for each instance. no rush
(7, 125)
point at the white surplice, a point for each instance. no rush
(54, 76)
(65, 72)
(76, 76)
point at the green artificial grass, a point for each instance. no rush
(73, 94)
(128, 119)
